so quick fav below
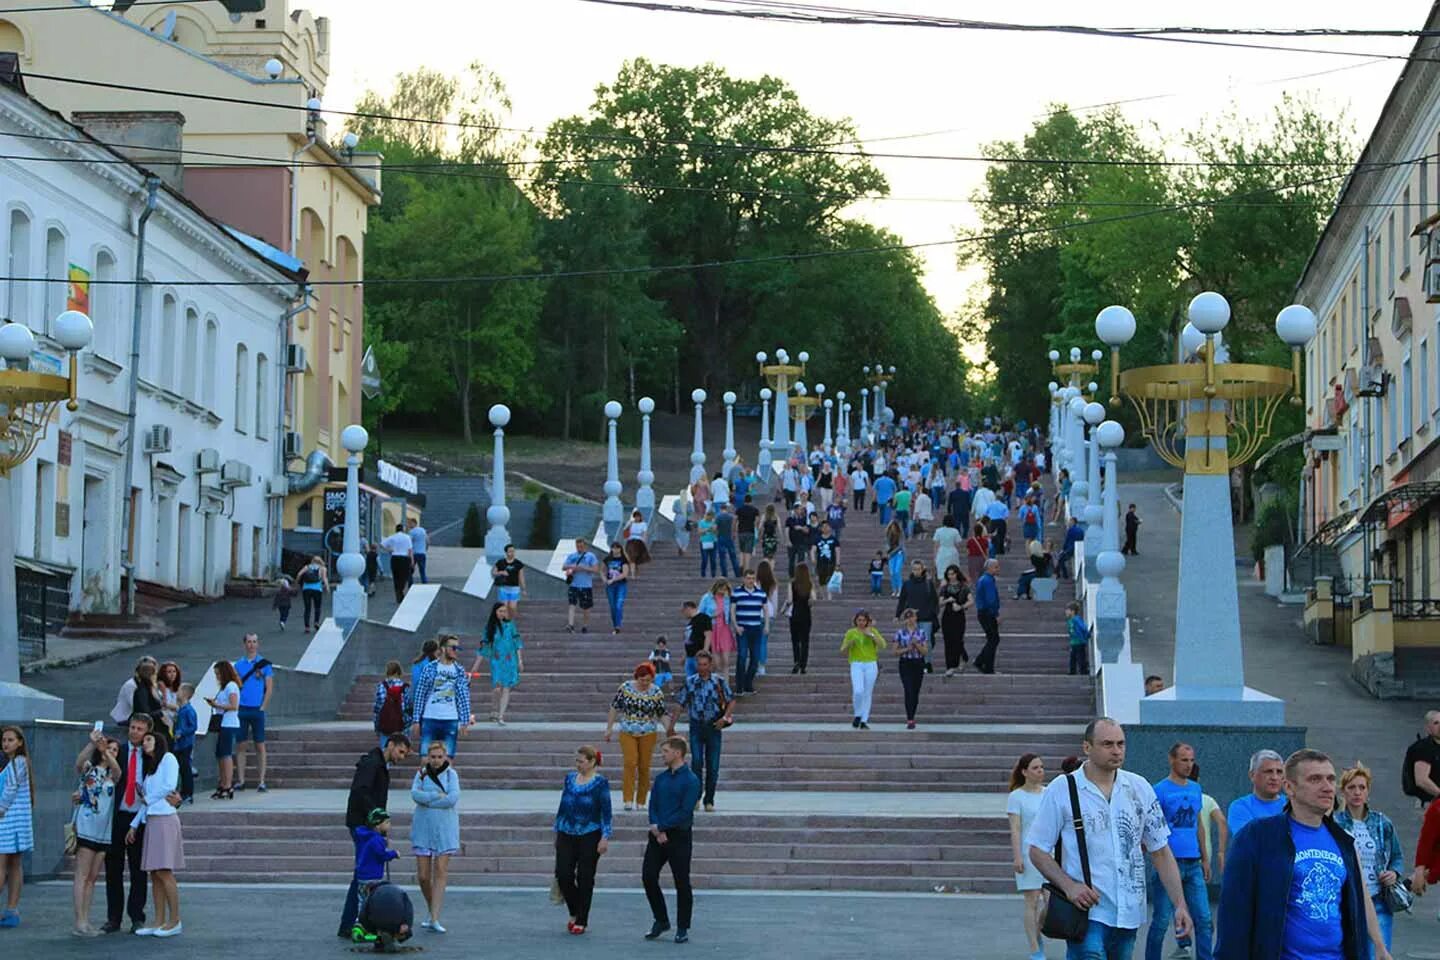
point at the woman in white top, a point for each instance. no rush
(227, 705)
(636, 535)
(922, 510)
(1027, 783)
(162, 852)
(681, 524)
(94, 801)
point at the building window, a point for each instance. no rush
(57, 279)
(1355, 312)
(1405, 230)
(1390, 254)
(1424, 380)
(242, 388)
(147, 332)
(1407, 385)
(17, 265)
(212, 337)
(1423, 210)
(104, 306)
(169, 334)
(262, 396)
(191, 356)
(1392, 418)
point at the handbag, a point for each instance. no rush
(72, 838)
(1064, 920)
(1398, 896)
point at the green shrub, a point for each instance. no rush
(1272, 528)
(542, 532)
(473, 533)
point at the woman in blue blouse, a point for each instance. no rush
(582, 835)
(435, 829)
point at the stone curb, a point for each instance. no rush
(58, 663)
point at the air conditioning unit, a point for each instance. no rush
(157, 439)
(1432, 282)
(293, 443)
(277, 486)
(1374, 381)
(207, 460)
(1329, 411)
(295, 358)
(235, 473)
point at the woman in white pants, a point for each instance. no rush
(862, 644)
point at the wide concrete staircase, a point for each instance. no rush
(804, 802)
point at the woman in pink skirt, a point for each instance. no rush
(716, 603)
(162, 852)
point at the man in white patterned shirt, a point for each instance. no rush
(1123, 820)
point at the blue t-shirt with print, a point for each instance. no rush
(1182, 811)
(1313, 930)
(252, 693)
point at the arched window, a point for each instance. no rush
(191, 356)
(11, 39)
(242, 388)
(165, 345)
(146, 347)
(18, 265)
(212, 338)
(57, 278)
(262, 396)
(105, 311)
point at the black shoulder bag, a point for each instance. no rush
(1064, 920)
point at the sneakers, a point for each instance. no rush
(682, 935)
(629, 805)
(261, 788)
(709, 808)
(656, 930)
(239, 786)
(1182, 952)
(282, 626)
(855, 723)
(760, 671)
(425, 923)
(909, 724)
(10, 918)
(436, 927)
(864, 725)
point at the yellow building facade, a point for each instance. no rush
(256, 157)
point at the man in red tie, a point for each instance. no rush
(129, 798)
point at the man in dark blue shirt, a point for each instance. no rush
(987, 611)
(672, 812)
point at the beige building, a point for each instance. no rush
(1370, 491)
(255, 156)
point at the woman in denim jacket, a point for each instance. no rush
(1375, 842)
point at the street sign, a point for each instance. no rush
(369, 375)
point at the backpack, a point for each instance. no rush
(311, 574)
(392, 711)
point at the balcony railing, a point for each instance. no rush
(1416, 608)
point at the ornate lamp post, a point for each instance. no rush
(350, 600)
(612, 513)
(802, 404)
(821, 402)
(829, 441)
(498, 515)
(1075, 453)
(781, 375)
(645, 493)
(1110, 601)
(1205, 418)
(865, 411)
(842, 431)
(697, 455)
(729, 452)
(764, 460)
(28, 401)
(1093, 413)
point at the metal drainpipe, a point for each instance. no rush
(278, 510)
(1365, 359)
(127, 558)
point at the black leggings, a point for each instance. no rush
(576, 858)
(313, 599)
(800, 641)
(912, 675)
(953, 625)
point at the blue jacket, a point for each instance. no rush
(371, 854)
(1389, 855)
(185, 726)
(987, 595)
(1256, 889)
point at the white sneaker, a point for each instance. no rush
(1181, 953)
(174, 931)
(436, 927)
(425, 924)
(629, 806)
(760, 672)
(146, 931)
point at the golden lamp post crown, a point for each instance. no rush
(29, 398)
(782, 371)
(1208, 397)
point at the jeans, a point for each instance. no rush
(187, 772)
(676, 852)
(862, 687)
(877, 583)
(442, 730)
(576, 858)
(351, 910)
(764, 655)
(897, 570)
(705, 754)
(904, 517)
(313, 600)
(1387, 924)
(885, 514)
(708, 564)
(725, 549)
(912, 675)
(1197, 901)
(1022, 589)
(1102, 943)
(747, 659)
(990, 623)
(615, 594)
(1080, 658)
(420, 567)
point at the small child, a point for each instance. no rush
(186, 724)
(284, 593)
(372, 853)
(660, 660)
(389, 714)
(1079, 639)
(877, 573)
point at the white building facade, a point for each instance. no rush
(210, 371)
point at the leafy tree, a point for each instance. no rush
(472, 532)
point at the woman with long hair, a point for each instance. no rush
(502, 648)
(618, 571)
(636, 535)
(1381, 859)
(94, 801)
(163, 847)
(977, 551)
(947, 543)
(639, 705)
(770, 533)
(17, 832)
(895, 551)
(168, 682)
(716, 604)
(147, 698)
(227, 704)
(797, 605)
(682, 522)
(582, 835)
(1027, 783)
(765, 576)
(955, 599)
(435, 829)
(862, 645)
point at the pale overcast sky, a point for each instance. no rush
(968, 88)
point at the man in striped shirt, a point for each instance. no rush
(750, 619)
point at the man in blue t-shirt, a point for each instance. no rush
(257, 682)
(885, 496)
(1293, 887)
(1180, 799)
(580, 569)
(1267, 774)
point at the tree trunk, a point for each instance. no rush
(565, 416)
(465, 411)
